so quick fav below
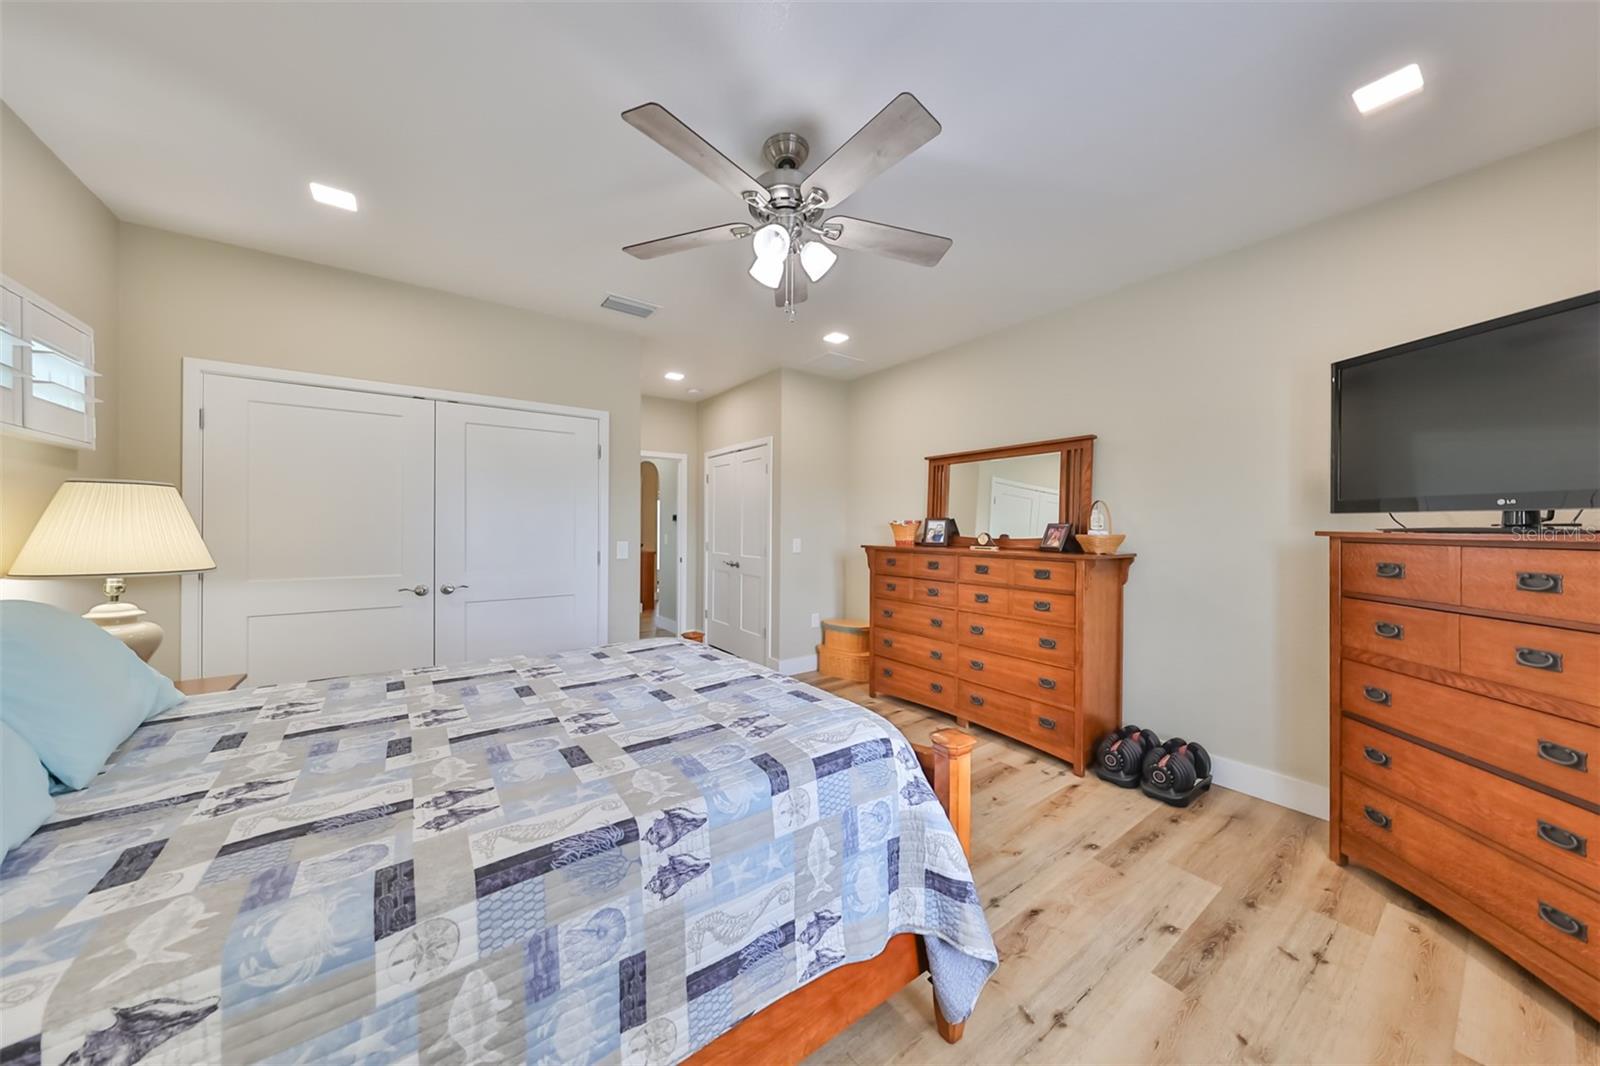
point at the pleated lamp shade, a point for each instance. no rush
(113, 529)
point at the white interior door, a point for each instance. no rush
(738, 539)
(1021, 510)
(317, 505)
(518, 551)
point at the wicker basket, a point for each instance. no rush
(845, 665)
(847, 634)
(905, 533)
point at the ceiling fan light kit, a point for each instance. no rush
(792, 241)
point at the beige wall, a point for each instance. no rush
(674, 426)
(815, 431)
(60, 241)
(181, 296)
(1209, 390)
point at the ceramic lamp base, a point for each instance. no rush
(127, 622)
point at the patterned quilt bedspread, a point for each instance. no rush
(612, 854)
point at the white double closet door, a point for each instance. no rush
(358, 532)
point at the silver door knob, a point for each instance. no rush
(415, 590)
(448, 589)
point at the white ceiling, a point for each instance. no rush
(1084, 146)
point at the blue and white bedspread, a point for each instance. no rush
(611, 854)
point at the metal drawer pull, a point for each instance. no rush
(1047, 723)
(888, 642)
(977, 701)
(1565, 839)
(976, 631)
(936, 687)
(1561, 755)
(1391, 569)
(1047, 643)
(887, 613)
(1041, 605)
(887, 672)
(937, 623)
(981, 597)
(1041, 575)
(890, 585)
(1390, 631)
(982, 568)
(933, 564)
(1563, 922)
(933, 590)
(1533, 581)
(892, 561)
(1047, 682)
(936, 655)
(976, 664)
(1377, 817)
(1376, 694)
(1537, 659)
(1375, 756)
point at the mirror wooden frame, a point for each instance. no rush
(1076, 494)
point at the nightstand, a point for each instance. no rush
(200, 686)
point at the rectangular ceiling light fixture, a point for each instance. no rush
(1386, 90)
(327, 194)
(636, 308)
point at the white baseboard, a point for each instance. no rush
(1291, 792)
(669, 624)
(800, 664)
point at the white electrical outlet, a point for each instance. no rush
(816, 620)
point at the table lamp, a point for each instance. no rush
(115, 530)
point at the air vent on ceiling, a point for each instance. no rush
(636, 308)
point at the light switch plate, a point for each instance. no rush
(816, 620)
(796, 548)
(622, 549)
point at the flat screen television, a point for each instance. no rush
(1503, 415)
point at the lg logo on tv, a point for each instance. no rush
(1507, 501)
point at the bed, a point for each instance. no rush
(645, 852)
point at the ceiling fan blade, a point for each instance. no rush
(907, 245)
(894, 133)
(663, 127)
(695, 238)
(792, 275)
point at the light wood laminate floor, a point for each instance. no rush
(1134, 932)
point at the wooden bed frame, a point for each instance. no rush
(805, 1019)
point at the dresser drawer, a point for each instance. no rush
(894, 562)
(1044, 682)
(937, 567)
(938, 593)
(1545, 584)
(915, 649)
(1431, 638)
(981, 571)
(986, 598)
(1404, 571)
(1047, 575)
(895, 678)
(1546, 911)
(915, 618)
(1556, 752)
(1052, 728)
(1052, 607)
(1557, 662)
(1558, 835)
(1021, 637)
(891, 587)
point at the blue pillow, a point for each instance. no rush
(71, 690)
(26, 793)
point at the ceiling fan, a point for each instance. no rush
(792, 242)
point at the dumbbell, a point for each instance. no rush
(1122, 752)
(1176, 766)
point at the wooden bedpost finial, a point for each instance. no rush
(953, 742)
(952, 780)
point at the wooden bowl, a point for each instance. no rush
(1101, 543)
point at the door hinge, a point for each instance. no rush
(599, 451)
(202, 418)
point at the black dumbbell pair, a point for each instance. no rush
(1174, 772)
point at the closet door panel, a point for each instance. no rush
(517, 532)
(317, 504)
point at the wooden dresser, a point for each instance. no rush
(1465, 728)
(1023, 642)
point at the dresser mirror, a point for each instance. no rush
(1012, 492)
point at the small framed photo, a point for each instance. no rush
(1056, 537)
(938, 532)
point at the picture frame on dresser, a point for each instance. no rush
(1462, 760)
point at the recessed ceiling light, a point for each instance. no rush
(327, 194)
(673, 375)
(836, 337)
(1389, 88)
